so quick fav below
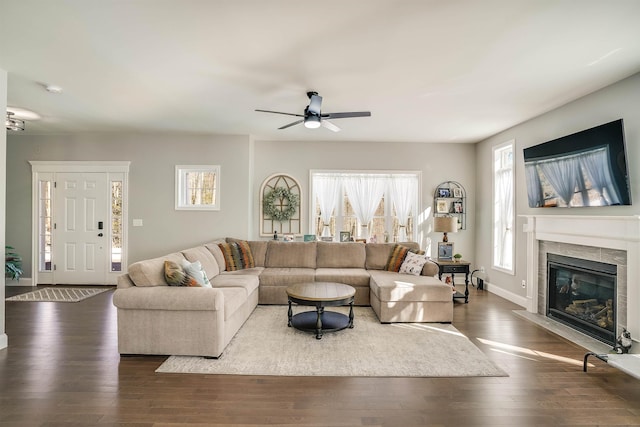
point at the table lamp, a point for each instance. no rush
(445, 224)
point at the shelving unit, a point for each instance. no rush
(450, 199)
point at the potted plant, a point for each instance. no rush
(457, 257)
(12, 263)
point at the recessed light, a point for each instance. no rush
(53, 88)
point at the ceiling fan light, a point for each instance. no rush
(312, 122)
(12, 123)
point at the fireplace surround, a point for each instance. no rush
(611, 240)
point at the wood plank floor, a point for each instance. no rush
(62, 369)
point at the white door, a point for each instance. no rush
(81, 238)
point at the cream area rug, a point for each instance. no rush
(58, 294)
(266, 346)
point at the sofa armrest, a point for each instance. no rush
(172, 298)
(430, 269)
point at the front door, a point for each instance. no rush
(81, 211)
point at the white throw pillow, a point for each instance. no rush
(194, 270)
(413, 264)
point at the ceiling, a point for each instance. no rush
(429, 71)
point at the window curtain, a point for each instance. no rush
(504, 221)
(403, 190)
(364, 193)
(597, 166)
(534, 187)
(562, 174)
(327, 190)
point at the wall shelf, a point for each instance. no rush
(450, 199)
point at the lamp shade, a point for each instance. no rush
(445, 224)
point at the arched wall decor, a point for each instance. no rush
(284, 188)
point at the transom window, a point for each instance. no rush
(197, 187)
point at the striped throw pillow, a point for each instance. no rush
(237, 255)
(395, 259)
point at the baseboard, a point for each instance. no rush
(24, 281)
(510, 296)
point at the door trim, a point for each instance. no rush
(52, 167)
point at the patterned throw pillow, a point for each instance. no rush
(413, 264)
(237, 255)
(195, 271)
(174, 275)
(398, 254)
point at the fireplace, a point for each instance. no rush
(581, 293)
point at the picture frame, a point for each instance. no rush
(457, 207)
(288, 237)
(442, 206)
(345, 236)
(444, 192)
(309, 237)
(457, 193)
(445, 251)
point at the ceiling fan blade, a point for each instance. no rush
(297, 122)
(347, 115)
(315, 103)
(327, 124)
(279, 112)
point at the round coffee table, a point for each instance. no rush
(321, 295)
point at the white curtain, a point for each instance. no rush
(562, 174)
(534, 187)
(403, 190)
(364, 193)
(327, 190)
(596, 164)
(504, 219)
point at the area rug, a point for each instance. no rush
(58, 294)
(266, 346)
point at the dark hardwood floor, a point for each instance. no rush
(62, 368)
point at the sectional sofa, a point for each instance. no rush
(155, 318)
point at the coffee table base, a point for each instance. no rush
(321, 321)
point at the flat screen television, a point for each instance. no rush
(587, 168)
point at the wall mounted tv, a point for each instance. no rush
(587, 168)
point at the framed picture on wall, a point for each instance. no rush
(444, 192)
(457, 193)
(345, 236)
(442, 206)
(445, 251)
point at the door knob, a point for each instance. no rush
(99, 234)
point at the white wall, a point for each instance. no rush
(3, 182)
(619, 100)
(245, 164)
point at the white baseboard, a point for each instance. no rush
(24, 281)
(510, 296)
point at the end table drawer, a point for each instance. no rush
(455, 269)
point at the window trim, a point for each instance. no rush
(495, 149)
(180, 201)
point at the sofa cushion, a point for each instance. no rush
(340, 255)
(206, 258)
(413, 264)
(247, 282)
(397, 256)
(150, 272)
(217, 253)
(237, 255)
(286, 276)
(291, 254)
(348, 276)
(258, 250)
(430, 268)
(389, 286)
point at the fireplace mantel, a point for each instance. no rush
(612, 232)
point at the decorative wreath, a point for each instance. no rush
(286, 212)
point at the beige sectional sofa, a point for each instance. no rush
(154, 318)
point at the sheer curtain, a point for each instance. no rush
(327, 189)
(364, 193)
(562, 174)
(534, 187)
(596, 164)
(504, 189)
(403, 190)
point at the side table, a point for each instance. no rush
(453, 267)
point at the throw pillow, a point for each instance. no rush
(237, 255)
(174, 275)
(195, 271)
(398, 254)
(413, 264)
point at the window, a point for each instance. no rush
(197, 187)
(44, 224)
(116, 225)
(503, 207)
(375, 206)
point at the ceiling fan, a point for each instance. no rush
(313, 118)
